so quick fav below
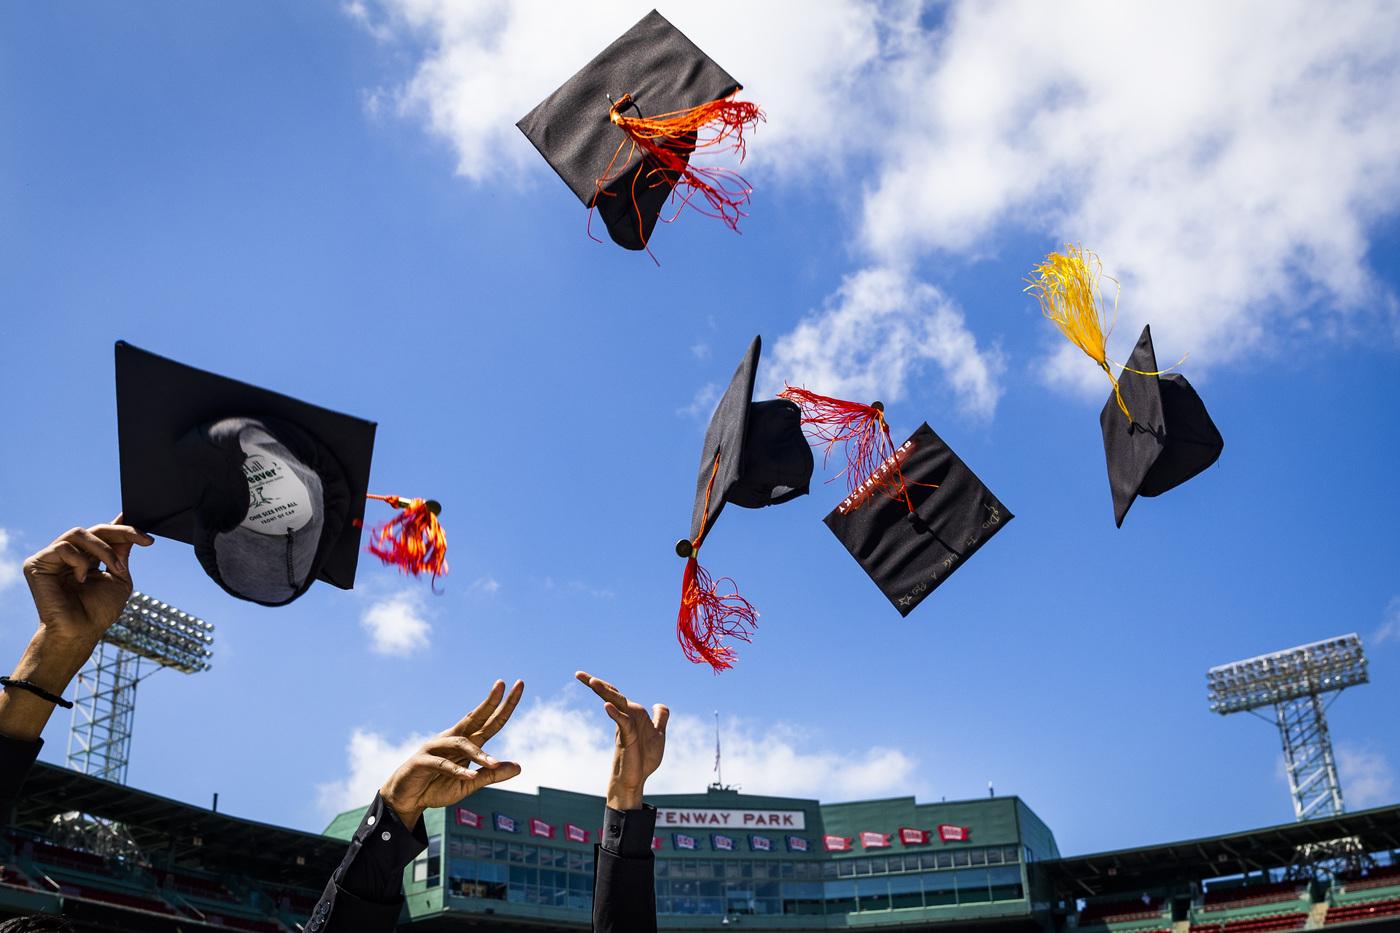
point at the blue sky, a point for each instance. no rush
(319, 199)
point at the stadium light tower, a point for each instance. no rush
(148, 630)
(1293, 682)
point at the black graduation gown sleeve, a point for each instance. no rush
(365, 894)
(624, 873)
(16, 758)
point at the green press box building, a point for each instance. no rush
(505, 860)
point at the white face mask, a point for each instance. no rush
(278, 500)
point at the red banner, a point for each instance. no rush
(950, 833)
(914, 837)
(575, 833)
(656, 842)
(540, 828)
(869, 840)
(467, 817)
(837, 843)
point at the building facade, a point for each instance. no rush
(726, 858)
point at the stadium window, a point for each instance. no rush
(928, 859)
(972, 886)
(906, 891)
(787, 870)
(434, 866)
(731, 870)
(1005, 883)
(993, 856)
(846, 868)
(840, 897)
(878, 866)
(663, 867)
(1011, 853)
(517, 855)
(939, 889)
(978, 856)
(862, 866)
(945, 860)
(961, 859)
(829, 869)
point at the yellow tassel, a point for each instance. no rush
(1067, 288)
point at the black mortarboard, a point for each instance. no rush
(910, 543)
(1168, 439)
(269, 490)
(660, 73)
(754, 455)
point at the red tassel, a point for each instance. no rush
(669, 142)
(412, 540)
(865, 437)
(707, 618)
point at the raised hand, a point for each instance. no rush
(639, 746)
(80, 582)
(436, 775)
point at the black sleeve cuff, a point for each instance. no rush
(380, 850)
(16, 758)
(629, 832)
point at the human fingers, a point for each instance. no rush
(473, 720)
(458, 748)
(435, 764)
(626, 728)
(502, 771)
(96, 548)
(57, 558)
(660, 715)
(605, 691)
(117, 533)
(502, 713)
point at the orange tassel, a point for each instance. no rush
(412, 540)
(669, 140)
(865, 438)
(706, 616)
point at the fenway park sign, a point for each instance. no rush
(701, 817)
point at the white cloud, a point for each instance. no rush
(487, 585)
(10, 564)
(1389, 630)
(370, 759)
(566, 742)
(485, 64)
(876, 334)
(1366, 776)
(1226, 161)
(703, 403)
(396, 624)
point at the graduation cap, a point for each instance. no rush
(913, 514)
(622, 131)
(1169, 438)
(754, 456)
(1157, 433)
(268, 489)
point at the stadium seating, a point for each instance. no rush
(1252, 895)
(1378, 878)
(1121, 911)
(1362, 910)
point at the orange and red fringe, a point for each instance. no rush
(864, 437)
(708, 618)
(669, 142)
(413, 540)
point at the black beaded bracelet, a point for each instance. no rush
(38, 691)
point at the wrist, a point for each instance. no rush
(624, 797)
(52, 660)
(408, 815)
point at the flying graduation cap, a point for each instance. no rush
(1157, 433)
(623, 130)
(913, 514)
(754, 455)
(268, 489)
